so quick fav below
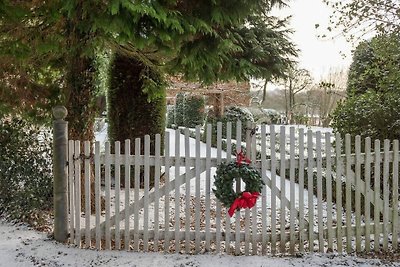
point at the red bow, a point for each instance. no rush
(247, 200)
(240, 158)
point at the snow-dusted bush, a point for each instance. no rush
(26, 184)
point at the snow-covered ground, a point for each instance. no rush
(20, 246)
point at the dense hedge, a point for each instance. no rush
(189, 111)
(26, 183)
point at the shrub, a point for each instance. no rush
(188, 111)
(370, 114)
(170, 117)
(26, 185)
(194, 111)
(232, 114)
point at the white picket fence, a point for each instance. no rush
(353, 207)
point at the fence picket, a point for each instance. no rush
(386, 147)
(177, 191)
(208, 186)
(218, 203)
(156, 190)
(395, 194)
(87, 194)
(167, 191)
(146, 193)
(377, 176)
(117, 188)
(357, 192)
(77, 163)
(301, 190)
(127, 181)
(367, 204)
(292, 189)
(254, 246)
(71, 190)
(339, 208)
(238, 189)
(187, 192)
(247, 211)
(264, 190)
(282, 157)
(319, 192)
(197, 211)
(97, 192)
(328, 154)
(107, 181)
(228, 158)
(348, 191)
(273, 189)
(136, 184)
(310, 200)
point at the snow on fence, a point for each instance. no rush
(328, 194)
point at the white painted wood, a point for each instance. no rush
(377, 176)
(177, 193)
(157, 175)
(282, 150)
(292, 190)
(208, 187)
(247, 211)
(310, 185)
(117, 152)
(238, 189)
(146, 193)
(97, 192)
(395, 194)
(329, 224)
(264, 189)
(167, 192)
(273, 190)
(301, 191)
(187, 194)
(348, 191)
(319, 192)
(71, 191)
(254, 210)
(87, 194)
(136, 185)
(339, 208)
(198, 185)
(227, 217)
(107, 181)
(357, 192)
(367, 175)
(218, 208)
(386, 147)
(127, 175)
(77, 162)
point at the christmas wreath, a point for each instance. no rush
(223, 181)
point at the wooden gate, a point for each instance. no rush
(347, 207)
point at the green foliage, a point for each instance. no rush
(170, 116)
(375, 65)
(227, 173)
(180, 109)
(372, 114)
(188, 111)
(131, 113)
(26, 184)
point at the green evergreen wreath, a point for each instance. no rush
(225, 176)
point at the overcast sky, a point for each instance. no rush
(317, 55)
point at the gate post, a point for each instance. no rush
(60, 140)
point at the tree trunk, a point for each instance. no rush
(130, 113)
(80, 90)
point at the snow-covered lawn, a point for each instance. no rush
(20, 246)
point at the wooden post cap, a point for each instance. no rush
(60, 112)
